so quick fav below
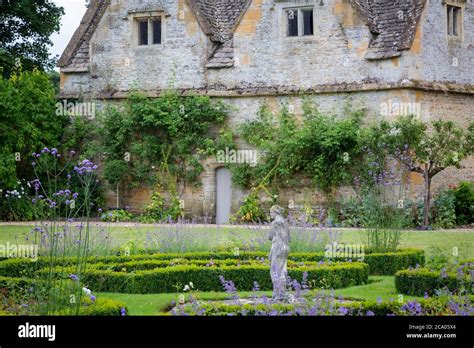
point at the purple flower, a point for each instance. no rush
(369, 313)
(75, 195)
(343, 310)
(123, 312)
(93, 298)
(74, 277)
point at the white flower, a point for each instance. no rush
(186, 288)
(19, 196)
(87, 291)
(28, 183)
(191, 285)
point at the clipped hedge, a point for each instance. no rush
(172, 279)
(100, 307)
(417, 282)
(379, 263)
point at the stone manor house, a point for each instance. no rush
(389, 56)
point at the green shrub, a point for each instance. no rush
(171, 279)
(464, 204)
(99, 307)
(379, 263)
(444, 209)
(117, 215)
(418, 282)
(251, 210)
(162, 208)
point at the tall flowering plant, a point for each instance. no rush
(65, 228)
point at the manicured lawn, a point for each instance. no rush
(181, 238)
(157, 304)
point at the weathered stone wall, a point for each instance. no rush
(272, 68)
(264, 56)
(458, 107)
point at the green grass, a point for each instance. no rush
(205, 238)
(380, 287)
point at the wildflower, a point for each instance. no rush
(186, 288)
(123, 312)
(74, 277)
(370, 313)
(93, 298)
(87, 291)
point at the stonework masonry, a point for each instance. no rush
(344, 61)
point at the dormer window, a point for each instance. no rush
(149, 31)
(299, 21)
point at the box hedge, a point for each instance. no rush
(172, 279)
(419, 281)
(379, 263)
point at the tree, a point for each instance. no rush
(25, 30)
(429, 151)
(28, 122)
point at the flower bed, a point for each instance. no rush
(327, 306)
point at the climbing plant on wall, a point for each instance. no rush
(318, 146)
(145, 135)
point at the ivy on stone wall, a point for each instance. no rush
(322, 147)
(145, 137)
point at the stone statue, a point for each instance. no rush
(280, 237)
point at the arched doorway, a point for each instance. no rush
(223, 195)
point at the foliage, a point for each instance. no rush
(322, 147)
(25, 30)
(379, 263)
(444, 208)
(100, 307)
(117, 215)
(419, 281)
(162, 209)
(251, 210)
(464, 203)
(325, 304)
(159, 280)
(146, 137)
(51, 235)
(27, 106)
(428, 151)
(16, 204)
